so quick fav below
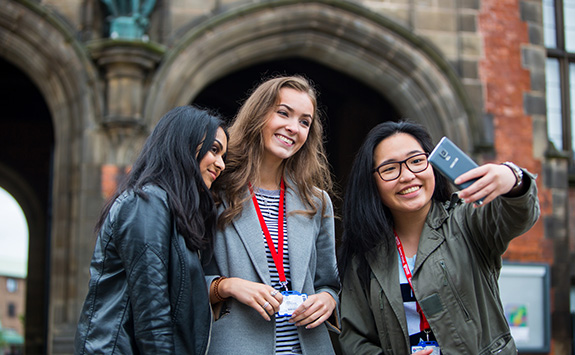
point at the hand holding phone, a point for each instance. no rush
(451, 161)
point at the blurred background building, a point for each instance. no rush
(83, 82)
(12, 308)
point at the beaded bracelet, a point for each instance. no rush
(216, 285)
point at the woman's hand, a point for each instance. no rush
(263, 298)
(423, 352)
(493, 180)
(314, 311)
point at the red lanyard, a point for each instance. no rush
(424, 324)
(279, 255)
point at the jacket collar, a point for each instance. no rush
(439, 212)
(431, 239)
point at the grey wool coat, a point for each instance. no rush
(239, 251)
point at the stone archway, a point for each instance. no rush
(346, 37)
(42, 46)
(26, 147)
(349, 108)
(25, 195)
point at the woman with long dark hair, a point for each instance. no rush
(419, 265)
(147, 291)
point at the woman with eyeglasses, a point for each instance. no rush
(419, 265)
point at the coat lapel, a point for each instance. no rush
(430, 238)
(301, 236)
(250, 233)
(382, 268)
(300, 233)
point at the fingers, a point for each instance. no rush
(264, 307)
(269, 301)
(272, 303)
(314, 311)
(475, 173)
(261, 310)
(262, 298)
(493, 180)
(276, 294)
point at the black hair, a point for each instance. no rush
(367, 222)
(169, 161)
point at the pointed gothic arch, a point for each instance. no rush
(40, 44)
(403, 67)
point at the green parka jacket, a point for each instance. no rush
(455, 279)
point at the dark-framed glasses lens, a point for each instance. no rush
(389, 171)
(417, 163)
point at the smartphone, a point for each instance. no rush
(452, 162)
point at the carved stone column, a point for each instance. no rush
(126, 67)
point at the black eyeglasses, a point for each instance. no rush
(391, 171)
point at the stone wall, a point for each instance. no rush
(470, 69)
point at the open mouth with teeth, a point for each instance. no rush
(409, 190)
(285, 139)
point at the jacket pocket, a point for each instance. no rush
(447, 281)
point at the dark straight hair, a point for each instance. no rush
(367, 222)
(169, 161)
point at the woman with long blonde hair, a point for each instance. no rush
(276, 242)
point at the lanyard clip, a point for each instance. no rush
(284, 284)
(427, 331)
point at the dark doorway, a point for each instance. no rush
(26, 147)
(350, 108)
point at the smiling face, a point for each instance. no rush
(212, 164)
(287, 125)
(410, 192)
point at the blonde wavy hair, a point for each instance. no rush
(308, 169)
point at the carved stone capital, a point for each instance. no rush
(126, 66)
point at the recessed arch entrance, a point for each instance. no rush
(48, 159)
(26, 150)
(349, 107)
(342, 36)
(328, 41)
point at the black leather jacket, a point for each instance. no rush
(147, 292)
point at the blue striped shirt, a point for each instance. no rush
(287, 339)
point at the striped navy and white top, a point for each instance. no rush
(287, 340)
(410, 305)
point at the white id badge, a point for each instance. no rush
(291, 301)
(425, 345)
